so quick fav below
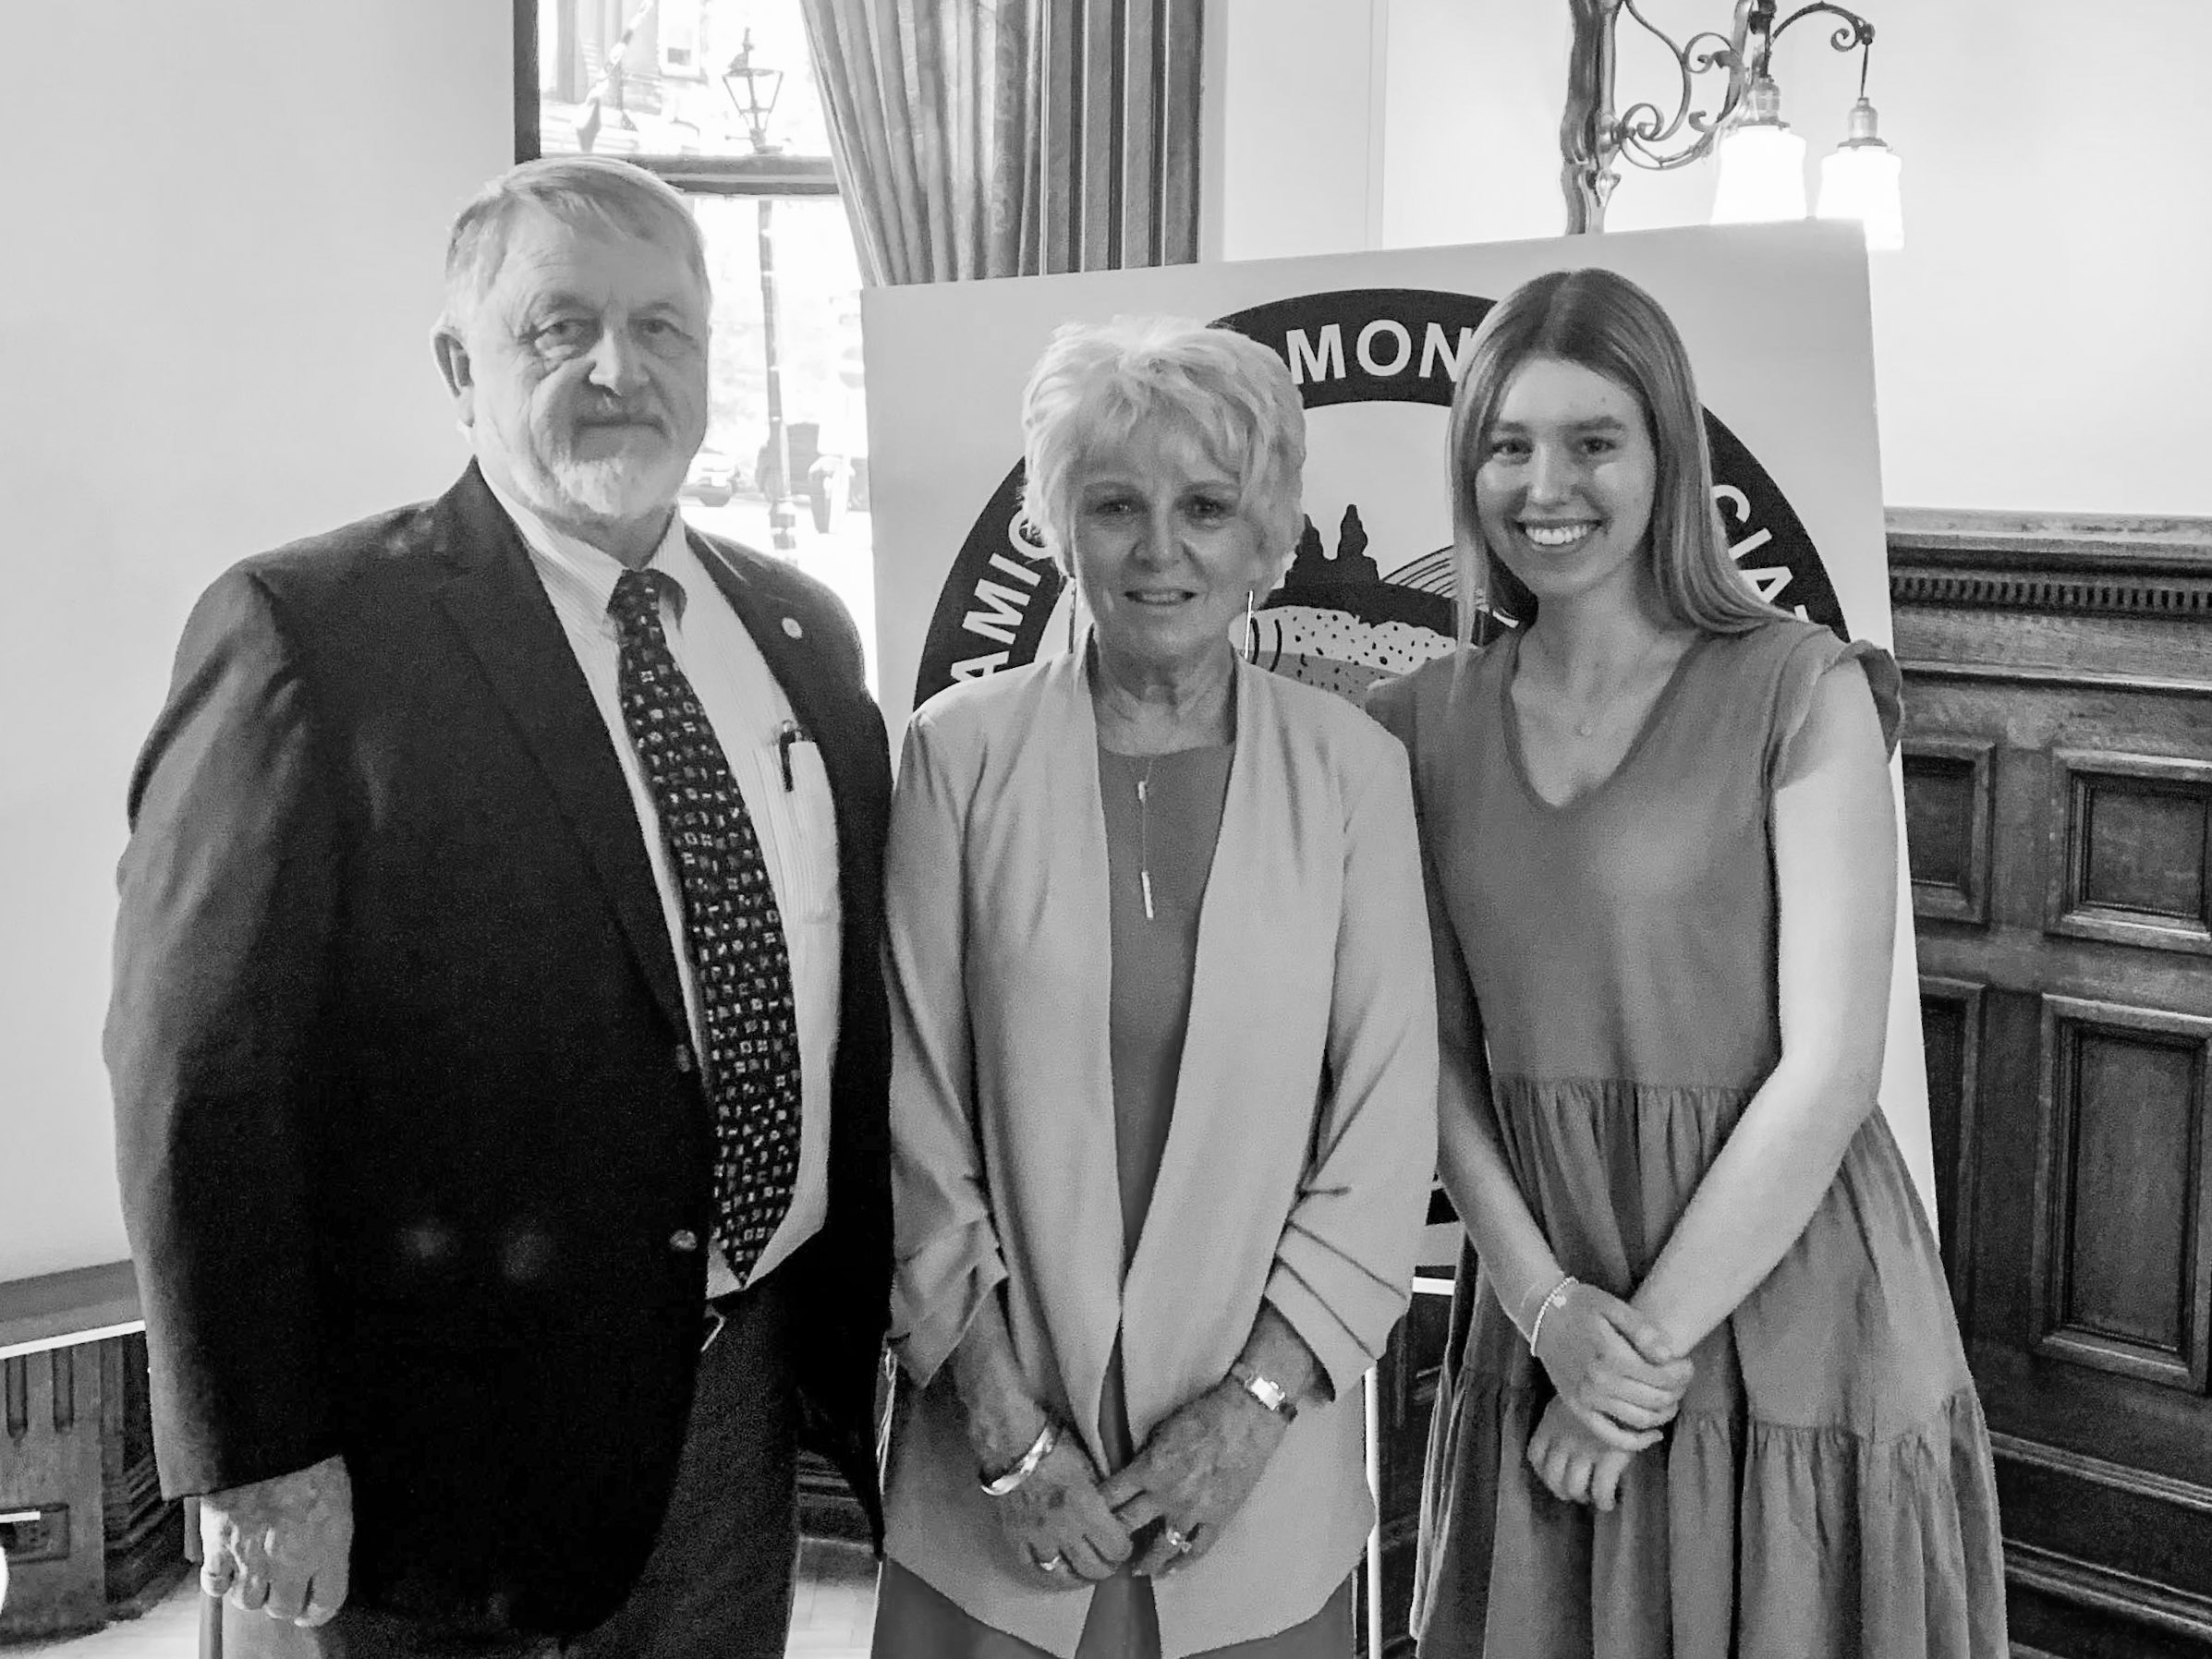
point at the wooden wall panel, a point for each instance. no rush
(1950, 1032)
(50, 1486)
(2134, 862)
(1947, 785)
(2123, 1260)
(2072, 664)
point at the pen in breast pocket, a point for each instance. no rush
(786, 734)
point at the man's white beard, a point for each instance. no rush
(614, 487)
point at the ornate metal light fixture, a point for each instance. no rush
(1762, 162)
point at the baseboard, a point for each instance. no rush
(2102, 1590)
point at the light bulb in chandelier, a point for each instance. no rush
(1860, 181)
(1762, 164)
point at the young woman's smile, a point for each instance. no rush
(1565, 478)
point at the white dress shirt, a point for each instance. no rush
(797, 826)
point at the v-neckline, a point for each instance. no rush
(1652, 716)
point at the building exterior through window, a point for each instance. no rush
(719, 98)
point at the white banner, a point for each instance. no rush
(1777, 323)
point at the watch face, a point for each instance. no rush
(1267, 1392)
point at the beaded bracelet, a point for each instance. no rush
(1039, 1449)
(1558, 1298)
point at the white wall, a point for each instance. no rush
(2041, 343)
(214, 309)
(1294, 104)
(1471, 121)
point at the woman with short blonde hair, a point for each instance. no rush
(1164, 1090)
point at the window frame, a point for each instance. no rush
(700, 175)
(763, 178)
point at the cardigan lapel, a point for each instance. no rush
(1059, 756)
(496, 600)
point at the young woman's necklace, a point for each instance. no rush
(1592, 718)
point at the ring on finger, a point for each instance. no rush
(1053, 1563)
(1175, 1540)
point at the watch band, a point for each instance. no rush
(1266, 1390)
(1039, 1449)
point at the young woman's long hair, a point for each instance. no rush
(1606, 324)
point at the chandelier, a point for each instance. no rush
(1728, 102)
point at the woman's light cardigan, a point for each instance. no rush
(1297, 1166)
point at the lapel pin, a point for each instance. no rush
(791, 627)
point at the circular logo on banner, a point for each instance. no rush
(1370, 596)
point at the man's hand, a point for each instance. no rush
(281, 1546)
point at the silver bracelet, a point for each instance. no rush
(1558, 1298)
(1039, 1449)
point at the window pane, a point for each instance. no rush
(813, 328)
(672, 92)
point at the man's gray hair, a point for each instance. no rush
(585, 192)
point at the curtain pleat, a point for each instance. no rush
(1011, 138)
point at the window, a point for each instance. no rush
(719, 98)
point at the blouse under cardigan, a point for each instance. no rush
(1296, 1169)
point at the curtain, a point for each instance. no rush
(1012, 138)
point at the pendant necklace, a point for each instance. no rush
(1590, 722)
(1144, 835)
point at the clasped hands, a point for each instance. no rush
(1618, 1382)
(1164, 1511)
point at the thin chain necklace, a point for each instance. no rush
(1596, 717)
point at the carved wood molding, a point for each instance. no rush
(2143, 1483)
(2085, 1585)
(2129, 1588)
(2067, 564)
(2035, 591)
(2036, 677)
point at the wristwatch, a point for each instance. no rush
(1267, 1392)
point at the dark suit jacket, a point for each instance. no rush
(414, 1158)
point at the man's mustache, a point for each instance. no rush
(621, 414)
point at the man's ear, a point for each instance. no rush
(453, 367)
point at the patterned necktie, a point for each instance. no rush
(732, 927)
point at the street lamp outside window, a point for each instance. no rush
(754, 91)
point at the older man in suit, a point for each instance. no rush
(498, 1045)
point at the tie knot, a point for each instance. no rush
(636, 597)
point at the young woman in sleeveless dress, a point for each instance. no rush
(1706, 1394)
